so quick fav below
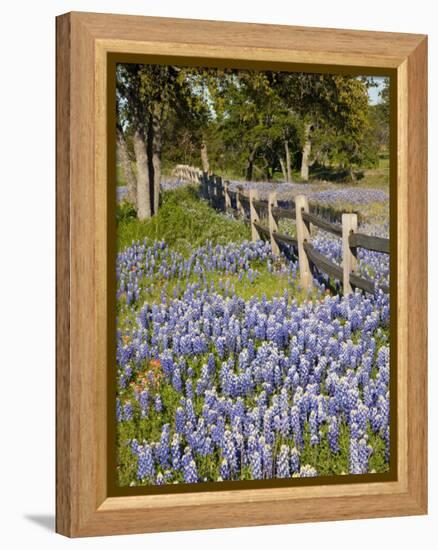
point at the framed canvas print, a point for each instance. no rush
(241, 274)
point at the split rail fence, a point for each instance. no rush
(249, 206)
(188, 173)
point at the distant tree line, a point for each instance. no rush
(259, 125)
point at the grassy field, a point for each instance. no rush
(183, 222)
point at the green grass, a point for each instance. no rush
(371, 178)
(268, 284)
(184, 222)
(120, 175)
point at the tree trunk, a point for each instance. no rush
(125, 161)
(249, 169)
(288, 168)
(157, 143)
(283, 169)
(204, 158)
(250, 165)
(143, 189)
(305, 161)
(150, 154)
(269, 170)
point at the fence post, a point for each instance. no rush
(254, 217)
(273, 226)
(239, 205)
(219, 193)
(211, 190)
(303, 234)
(349, 260)
(227, 197)
(205, 185)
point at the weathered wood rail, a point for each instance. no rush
(250, 208)
(377, 244)
(191, 174)
(322, 224)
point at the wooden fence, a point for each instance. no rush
(250, 208)
(187, 173)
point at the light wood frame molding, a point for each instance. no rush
(83, 42)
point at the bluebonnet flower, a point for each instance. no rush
(158, 404)
(294, 460)
(176, 451)
(224, 471)
(308, 471)
(265, 371)
(283, 468)
(364, 453)
(180, 420)
(211, 364)
(189, 467)
(354, 462)
(119, 412)
(176, 379)
(256, 465)
(128, 411)
(135, 447)
(189, 389)
(387, 443)
(190, 412)
(333, 434)
(145, 464)
(143, 400)
(314, 431)
(296, 426)
(163, 447)
(268, 461)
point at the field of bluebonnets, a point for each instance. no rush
(226, 368)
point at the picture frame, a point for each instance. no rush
(87, 44)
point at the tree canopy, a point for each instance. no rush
(257, 125)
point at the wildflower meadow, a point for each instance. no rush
(228, 367)
(226, 370)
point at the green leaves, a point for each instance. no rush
(246, 118)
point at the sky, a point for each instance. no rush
(373, 93)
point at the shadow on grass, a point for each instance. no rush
(337, 175)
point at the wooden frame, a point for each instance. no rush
(83, 42)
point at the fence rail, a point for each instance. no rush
(249, 206)
(377, 244)
(286, 239)
(280, 212)
(262, 205)
(322, 224)
(187, 173)
(322, 262)
(262, 229)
